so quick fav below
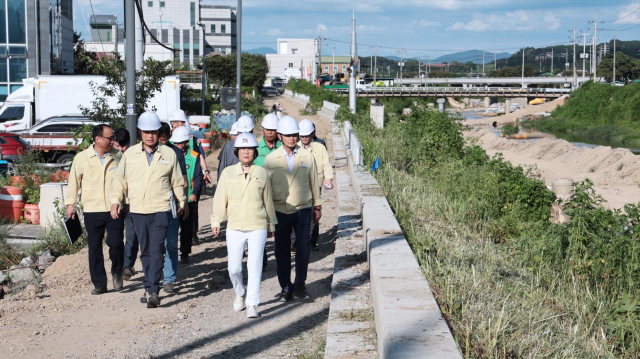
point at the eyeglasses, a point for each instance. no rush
(110, 139)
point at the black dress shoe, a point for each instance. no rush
(117, 281)
(169, 287)
(127, 273)
(153, 301)
(314, 247)
(184, 259)
(286, 294)
(98, 291)
(300, 291)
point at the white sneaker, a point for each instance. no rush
(238, 304)
(252, 312)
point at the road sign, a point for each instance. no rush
(401, 64)
(584, 55)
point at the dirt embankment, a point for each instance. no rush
(615, 172)
(511, 118)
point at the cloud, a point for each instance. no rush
(518, 20)
(629, 14)
(275, 32)
(321, 27)
(459, 4)
(425, 23)
(367, 8)
(370, 29)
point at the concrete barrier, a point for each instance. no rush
(409, 323)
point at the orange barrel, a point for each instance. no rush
(206, 144)
(11, 203)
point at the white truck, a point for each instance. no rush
(42, 97)
(57, 98)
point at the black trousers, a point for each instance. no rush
(300, 223)
(151, 230)
(131, 243)
(96, 223)
(187, 229)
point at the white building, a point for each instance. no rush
(294, 55)
(176, 24)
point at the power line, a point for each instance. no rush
(629, 14)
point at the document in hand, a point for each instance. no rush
(74, 229)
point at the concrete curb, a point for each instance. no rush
(409, 323)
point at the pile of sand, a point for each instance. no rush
(615, 172)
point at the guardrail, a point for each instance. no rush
(528, 91)
(353, 144)
(296, 95)
(330, 106)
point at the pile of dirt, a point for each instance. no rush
(615, 172)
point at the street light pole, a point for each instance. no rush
(130, 66)
(239, 60)
(333, 63)
(204, 64)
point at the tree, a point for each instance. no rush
(512, 71)
(82, 58)
(627, 68)
(221, 69)
(109, 105)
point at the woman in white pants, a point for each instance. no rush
(244, 197)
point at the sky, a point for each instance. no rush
(423, 28)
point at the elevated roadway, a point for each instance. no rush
(501, 92)
(470, 81)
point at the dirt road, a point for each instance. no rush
(59, 318)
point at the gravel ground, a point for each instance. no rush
(59, 318)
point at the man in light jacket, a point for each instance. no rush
(92, 172)
(296, 198)
(149, 173)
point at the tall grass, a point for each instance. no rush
(510, 283)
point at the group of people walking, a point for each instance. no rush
(267, 187)
(147, 188)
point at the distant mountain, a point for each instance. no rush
(474, 56)
(261, 51)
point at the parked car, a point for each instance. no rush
(326, 80)
(270, 90)
(12, 147)
(54, 135)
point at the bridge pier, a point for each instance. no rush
(507, 106)
(376, 112)
(487, 101)
(441, 102)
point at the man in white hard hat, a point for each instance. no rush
(296, 198)
(227, 155)
(325, 170)
(149, 173)
(269, 140)
(177, 118)
(92, 172)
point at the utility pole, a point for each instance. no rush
(239, 60)
(575, 78)
(375, 65)
(401, 53)
(595, 43)
(482, 62)
(584, 54)
(352, 76)
(319, 55)
(552, 56)
(495, 61)
(130, 66)
(523, 67)
(204, 67)
(614, 59)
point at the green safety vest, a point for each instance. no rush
(190, 160)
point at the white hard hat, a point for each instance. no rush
(234, 129)
(245, 139)
(306, 127)
(288, 126)
(245, 124)
(181, 134)
(277, 104)
(270, 121)
(149, 121)
(177, 115)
